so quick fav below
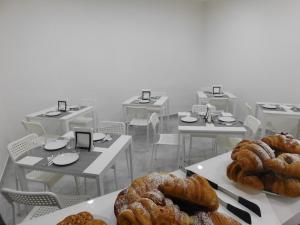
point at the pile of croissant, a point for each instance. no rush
(271, 164)
(164, 199)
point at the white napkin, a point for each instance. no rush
(29, 160)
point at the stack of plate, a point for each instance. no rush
(53, 113)
(55, 145)
(144, 101)
(65, 159)
(226, 119)
(269, 106)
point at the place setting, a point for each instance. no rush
(272, 107)
(226, 119)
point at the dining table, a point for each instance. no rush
(266, 111)
(275, 210)
(158, 104)
(58, 123)
(202, 128)
(204, 97)
(90, 164)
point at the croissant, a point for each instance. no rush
(289, 187)
(194, 189)
(235, 173)
(285, 164)
(251, 155)
(82, 218)
(283, 143)
(213, 218)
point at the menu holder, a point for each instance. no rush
(62, 106)
(83, 138)
(217, 89)
(146, 94)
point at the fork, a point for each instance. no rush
(50, 160)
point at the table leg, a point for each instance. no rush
(179, 150)
(130, 161)
(263, 125)
(100, 185)
(22, 178)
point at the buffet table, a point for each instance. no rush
(275, 209)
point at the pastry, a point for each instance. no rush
(283, 143)
(153, 200)
(285, 164)
(289, 187)
(235, 173)
(213, 218)
(251, 155)
(82, 218)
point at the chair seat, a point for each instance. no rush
(139, 122)
(168, 139)
(65, 201)
(82, 120)
(44, 177)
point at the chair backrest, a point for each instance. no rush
(199, 108)
(31, 198)
(136, 113)
(154, 122)
(111, 127)
(19, 147)
(249, 109)
(253, 124)
(34, 127)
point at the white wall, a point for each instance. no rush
(106, 49)
(253, 48)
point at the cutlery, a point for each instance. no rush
(242, 214)
(50, 160)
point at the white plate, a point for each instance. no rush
(65, 159)
(226, 119)
(144, 101)
(55, 145)
(98, 136)
(53, 113)
(74, 107)
(269, 106)
(218, 95)
(189, 119)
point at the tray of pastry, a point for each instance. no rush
(271, 164)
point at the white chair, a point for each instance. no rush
(19, 148)
(86, 121)
(162, 139)
(228, 143)
(199, 109)
(43, 202)
(165, 111)
(249, 109)
(137, 117)
(37, 128)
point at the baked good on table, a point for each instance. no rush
(283, 142)
(216, 218)
(235, 173)
(156, 199)
(251, 155)
(82, 218)
(256, 165)
(285, 164)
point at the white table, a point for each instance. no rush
(61, 123)
(161, 105)
(275, 210)
(264, 115)
(203, 98)
(95, 170)
(208, 130)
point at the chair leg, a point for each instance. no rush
(77, 184)
(85, 183)
(154, 150)
(115, 175)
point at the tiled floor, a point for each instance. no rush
(166, 161)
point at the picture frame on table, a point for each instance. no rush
(62, 106)
(146, 94)
(84, 138)
(217, 89)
